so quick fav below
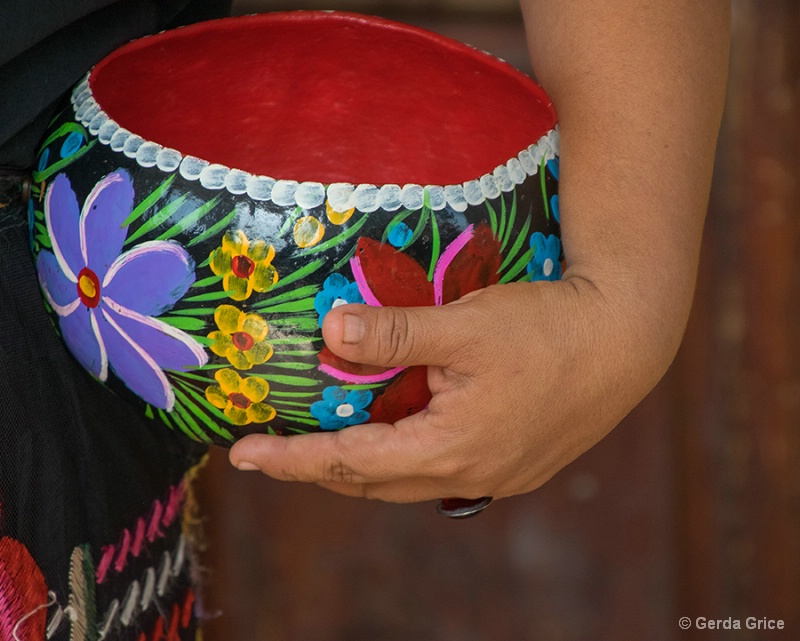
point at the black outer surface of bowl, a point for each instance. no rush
(379, 244)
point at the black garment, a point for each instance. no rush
(93, 496)
(48, 45)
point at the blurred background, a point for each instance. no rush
(691, 507)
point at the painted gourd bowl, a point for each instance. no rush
(210, 193)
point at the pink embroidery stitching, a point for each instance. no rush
(138, 539)
(161, 516)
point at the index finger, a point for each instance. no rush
(369, 453)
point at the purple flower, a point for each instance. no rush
(106, 299)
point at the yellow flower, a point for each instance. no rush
(308, 231)
(338, 217)
(240, 399)
(240, 338)
(244, 265)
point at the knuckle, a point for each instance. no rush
(396, 343)
(338, 472)
(287, 474)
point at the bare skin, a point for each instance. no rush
(526, 377)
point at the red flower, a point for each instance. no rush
(388, 277)
(23, 593)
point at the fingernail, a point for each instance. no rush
(355, 329)
(246, 466)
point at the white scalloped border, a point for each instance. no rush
(289, 193)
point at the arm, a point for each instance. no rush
(639, 88)
(528, 376)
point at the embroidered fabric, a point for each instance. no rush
(95, 504)
(92, 495)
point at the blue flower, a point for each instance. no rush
(43, 160)
(553, 165)
(340, 408)
(336, 290)
(546, 261)
(71, 145)
(399, 234)
(555, 208)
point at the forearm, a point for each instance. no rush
(639, 88)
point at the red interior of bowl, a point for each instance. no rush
(324, 96)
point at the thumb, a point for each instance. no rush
(397, 336)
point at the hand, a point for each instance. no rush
(525, 377)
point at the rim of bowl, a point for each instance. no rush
(341, 196)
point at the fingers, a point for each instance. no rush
(399, 336)
(362, 454)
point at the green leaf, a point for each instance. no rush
(291, 381)
(207, 282)
(283, 394)
(543, 181)
(299, 340)
(435, 246)
(209, 296)
(149, 201)
(277, 401)
(295, 294)
(336, 240)
(40, 176)
(215, 229)
(363, 386)
(299, 274)
(211, 367)
(66, 128)
(424, 216)
(190, 220)
(181, 414)
(166, 420)
(502, 230)
(492, 219)
(305, 305)
(399, 218)
(194, 311)
(304, 421)
(521, 264)
(44, 241)
(512, 217)
(297, 352)
(292, 365)
(186, 324)
(158, 218)
(344, 259)
(172, 420)
(523, 234)
(197, 409)
(193, 377)
(290, 220)
(296, 323)
(297, 414)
